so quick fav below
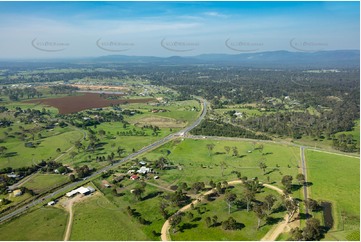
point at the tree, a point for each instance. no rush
(230, 198)
(212, 184)
(175, 220)
(214, 220)
(137, 192)
(248, 196)
(263, 166)
(296, 234)
(223, 166)
(162, 208)
(235, 151)
(219, 188)
(287, 183)
(227, 149)
(58, 150)
(291, 207)
(269, 201)
(209, 222)
(229, 224)
(210, 147)
(197, 186)
(300, 178)
(120, 151)
(260, 212)
(5, 201)
(312, 231)
(2, 150)
(78, 145)
(72, 178)
(311, 204)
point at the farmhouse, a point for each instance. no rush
(134, 177)
(81, 190)
(144, 170)
(12, 175)
(17, 193)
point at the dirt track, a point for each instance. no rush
(270, 236)
(68, 206)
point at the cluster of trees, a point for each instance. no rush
(84, 171)
(15, 94)
(135, 214)
(311, 232)
(219, 128)
(62, 89)
(345, 143)
(335, 96)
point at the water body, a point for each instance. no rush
(327, 214)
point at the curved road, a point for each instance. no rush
(271, 235)
(131, 156)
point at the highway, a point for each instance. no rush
(146, 149)
(304, 172)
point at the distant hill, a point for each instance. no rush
(275, 59)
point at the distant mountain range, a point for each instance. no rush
(270, 59)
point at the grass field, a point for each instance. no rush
(336, 179)
(47, 148)
(198, 164)
(181, 111)
(98, 219)
(41, 224)
(42, 182)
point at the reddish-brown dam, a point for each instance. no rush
(73, 104)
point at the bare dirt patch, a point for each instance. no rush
(73, 104)
(161, 122)
(99, 87)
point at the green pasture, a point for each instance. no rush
(196, 163)
(23, 156)
(42, 182)
(336, 179)
(41, 224)
(99, 219)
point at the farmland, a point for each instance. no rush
(199, 164)
(41, 182)
(97, 219)
(41, 224)
(336, 179)
(72, 104)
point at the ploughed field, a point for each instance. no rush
(73, 104)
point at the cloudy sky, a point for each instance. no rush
(81, 29)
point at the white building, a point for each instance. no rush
(81, 190)
(144, 170)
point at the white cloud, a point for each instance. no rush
(215, 14)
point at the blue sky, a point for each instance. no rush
(77, 29)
